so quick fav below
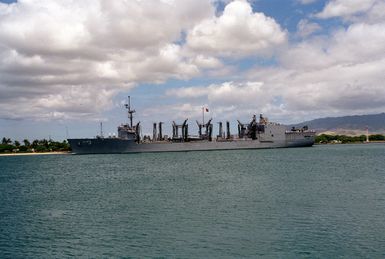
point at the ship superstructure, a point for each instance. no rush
(129, 131)
(253, 135)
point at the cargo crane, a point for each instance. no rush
(208, 130)
(175, 131)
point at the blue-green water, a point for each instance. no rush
(324, 201)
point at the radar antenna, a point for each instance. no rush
(130, 112)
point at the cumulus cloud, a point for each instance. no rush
(230, 99)
(207, 62)
(351, 10)
(96, 49)
(337, 75)
(225, 93)
(237, 32)
(332, 74)
(68, 59)
(51, 48)
(306, 28)
(345, 8)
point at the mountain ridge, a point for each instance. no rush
(350, 125)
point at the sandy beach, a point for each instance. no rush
(36, 153)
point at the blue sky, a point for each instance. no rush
(67, 65)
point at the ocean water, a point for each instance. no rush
(324, 201)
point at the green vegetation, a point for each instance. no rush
(324, 138)
(8, 146)
(377, 137)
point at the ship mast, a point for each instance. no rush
(203, 115)
(130, 112)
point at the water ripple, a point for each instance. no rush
(325, 201)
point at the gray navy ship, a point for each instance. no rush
(253, 135)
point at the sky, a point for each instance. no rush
(67, 65)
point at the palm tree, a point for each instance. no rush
(35, 143)
(6, 141)
(26, 142)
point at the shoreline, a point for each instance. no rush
(353, 143)
(36, 153)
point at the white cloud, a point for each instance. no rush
(68, 59)
(229, 99)
(207, 62)
(345, 8)
(306, 1)
(306, 28)
(80, 103)
(96, 48)
(61, 56)
(359, 43)
(336, 75)
(352, 10)
(225, 93)
(376, 13)
(330, 75)
(237, 32)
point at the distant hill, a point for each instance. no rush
(349, 125)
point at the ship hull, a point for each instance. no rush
(116, 145)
